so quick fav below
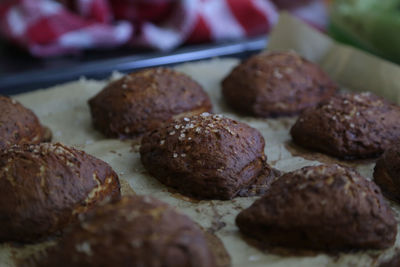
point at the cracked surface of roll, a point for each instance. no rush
(144, 100)
(273, 84)
(136, 231)
(349, 126)
(19, 125)
(326, 207)
(44, 187)
(207, 156)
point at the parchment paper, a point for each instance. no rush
(351, 67)
(65, 111)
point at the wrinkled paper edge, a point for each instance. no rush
(352, 68)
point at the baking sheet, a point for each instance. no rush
(20, 73)
(65, 111)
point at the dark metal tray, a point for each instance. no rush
(21, 73)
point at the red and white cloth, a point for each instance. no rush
(50, 27)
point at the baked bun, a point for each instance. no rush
(325, 207)
(274, 84)
(144, 100)
(349, 126)
(206, 156)
(43, 187)
(19, 125)
(387, 173)
(136, 231)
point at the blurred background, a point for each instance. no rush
(45, 42)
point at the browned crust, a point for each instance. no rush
(206, 156)
(273, 84)
(144, 100)
(44, 187)
(327, 207)
(136, 231)
(349, 126)
(19, 125)
(387, 173)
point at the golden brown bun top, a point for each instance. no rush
(349, 126)
(136, 231)
(43, 187)
(142, 101)
(207, 156)
(321, 207)
(19, 125)
(273, 84)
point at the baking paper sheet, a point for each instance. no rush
(64, 109)
(351, 67)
